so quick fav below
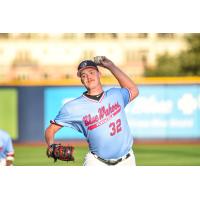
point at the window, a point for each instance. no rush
(69, 35)
(101, 35)
(4, 35)
(165, 35)
(142, 35)
(136, 56)
(89, 35)
(135, 35)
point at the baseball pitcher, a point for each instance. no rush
(99, 115)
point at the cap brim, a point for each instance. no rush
(79, 72)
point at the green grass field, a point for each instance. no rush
(146, 155)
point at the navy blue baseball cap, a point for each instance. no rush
(86, 64)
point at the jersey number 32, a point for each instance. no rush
(115, 127)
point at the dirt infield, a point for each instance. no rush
(136, 142)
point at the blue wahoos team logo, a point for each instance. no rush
(104, 114)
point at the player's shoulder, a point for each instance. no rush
(112, 89)
(115, 90)
(72, 102)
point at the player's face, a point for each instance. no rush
(90, 78)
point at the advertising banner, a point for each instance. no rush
(166, 111)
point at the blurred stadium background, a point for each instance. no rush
(38, 74)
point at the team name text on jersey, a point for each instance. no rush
(104, 114)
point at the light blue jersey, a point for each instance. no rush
(102, 122)
(6, 147)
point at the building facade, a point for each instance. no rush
(35, 56)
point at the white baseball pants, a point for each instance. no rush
(91, 160)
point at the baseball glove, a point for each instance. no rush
(60, 152)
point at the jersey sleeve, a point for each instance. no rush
(126, 95)
(67, 118)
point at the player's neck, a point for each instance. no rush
(95, 91)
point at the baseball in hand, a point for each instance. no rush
(98, 59)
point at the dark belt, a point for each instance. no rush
(112, 162)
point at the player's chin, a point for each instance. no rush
(91, 85)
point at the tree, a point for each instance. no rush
(167, 65)
(190, 59)
(186, 63)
